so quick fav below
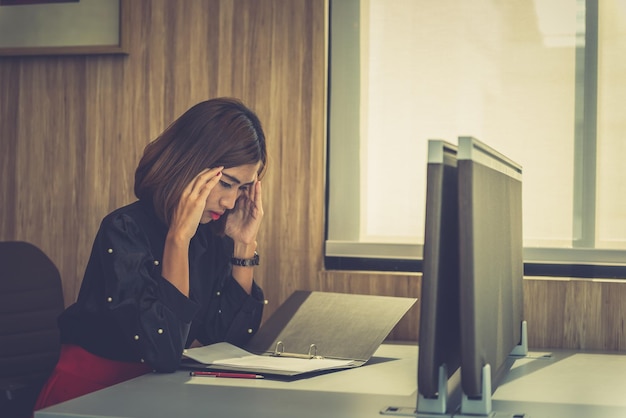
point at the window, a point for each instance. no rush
(541, 81)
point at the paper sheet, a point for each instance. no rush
(225, 354)
(284, 363)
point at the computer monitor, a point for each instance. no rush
(491, 264)
(439, 341)
(472, 301)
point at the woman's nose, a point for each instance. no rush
(228, 200)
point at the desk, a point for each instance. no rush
(389, 377)
(567, 384)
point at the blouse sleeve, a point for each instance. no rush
(239, 314)
(151, 313)
(229, 313)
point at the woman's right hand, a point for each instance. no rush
(188, 213)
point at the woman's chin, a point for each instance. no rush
(205, 219)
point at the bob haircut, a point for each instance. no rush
(213, 133)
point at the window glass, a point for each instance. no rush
(509, 73)
(611, 177)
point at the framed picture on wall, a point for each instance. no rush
(63, 27)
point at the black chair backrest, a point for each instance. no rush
(31, 299)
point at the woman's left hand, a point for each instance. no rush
(243, 223)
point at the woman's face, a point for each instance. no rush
(235, 182)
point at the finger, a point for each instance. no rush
(251, 199)
(206, 176)
(258, 200)
(209, 184)
(193, 184)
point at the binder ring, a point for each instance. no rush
(279, 351)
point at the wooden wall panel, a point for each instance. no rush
(72, 128)
(560, 312)
(8, 147)
(575, 313)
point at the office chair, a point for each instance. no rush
(31, 299)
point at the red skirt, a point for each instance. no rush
(79, 372)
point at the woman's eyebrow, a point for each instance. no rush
(235, 179)
(231, 178)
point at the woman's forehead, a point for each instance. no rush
(242, 174)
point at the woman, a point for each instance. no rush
(175, 268)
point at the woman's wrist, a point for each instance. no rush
(246, 262)
(242, 250)
(244, 271)
(176, 239)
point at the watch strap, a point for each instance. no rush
(245, 262)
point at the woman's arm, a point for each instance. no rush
(183, 227)
(146, 317)
(242, 226)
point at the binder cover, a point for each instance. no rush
(310, 325)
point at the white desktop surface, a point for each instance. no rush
(389, 377)
(566, 384)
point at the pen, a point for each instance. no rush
(226, 374)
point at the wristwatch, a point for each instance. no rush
(245, 262)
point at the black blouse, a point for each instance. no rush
(127, 311)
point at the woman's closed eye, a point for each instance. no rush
(243, 188)
(225, 185)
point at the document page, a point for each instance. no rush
(225, 354)
(209, 354)
(286, 364)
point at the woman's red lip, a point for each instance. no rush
(215, 216)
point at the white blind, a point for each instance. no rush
(509, 73)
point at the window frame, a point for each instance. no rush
(580, 261)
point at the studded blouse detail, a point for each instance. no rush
(127, 311)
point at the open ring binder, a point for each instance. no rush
(346, 330)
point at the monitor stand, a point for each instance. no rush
(521, 350)
(481, 407)
(470, 407)
(430, 407)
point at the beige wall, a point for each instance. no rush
(73, 128)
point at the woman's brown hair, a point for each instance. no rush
(213, 133)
